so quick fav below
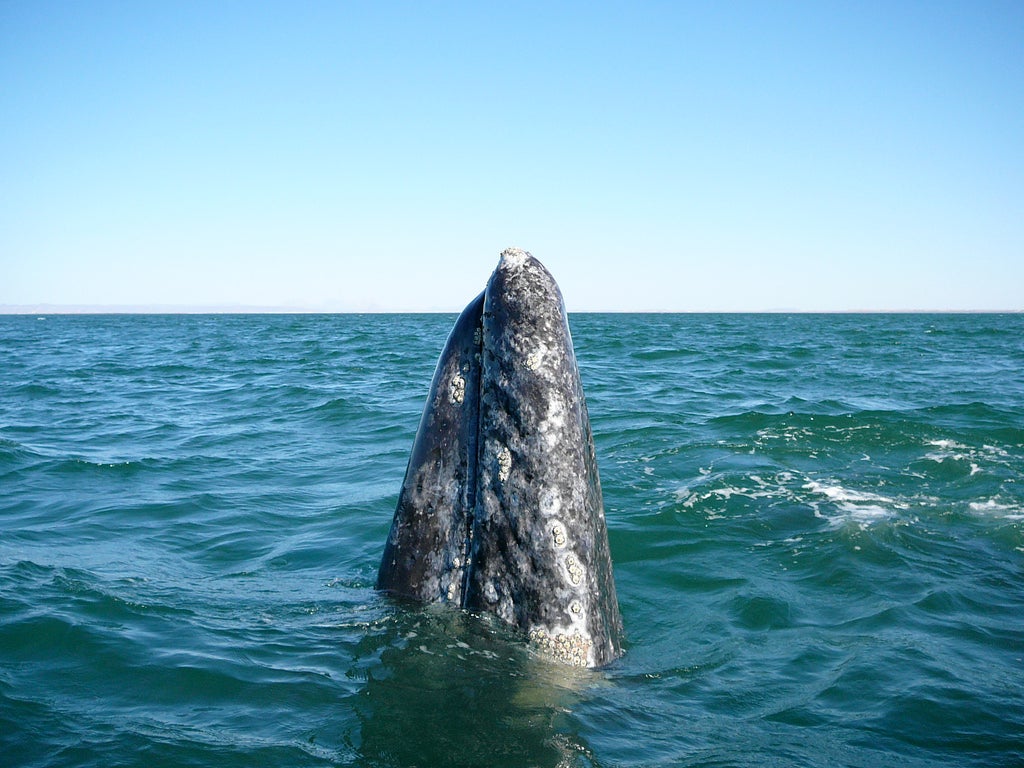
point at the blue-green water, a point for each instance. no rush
(817, 525)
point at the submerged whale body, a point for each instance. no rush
(501, 509)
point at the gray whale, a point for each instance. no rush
(501, 510)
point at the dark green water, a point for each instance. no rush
(817, 525)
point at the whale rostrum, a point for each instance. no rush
(501, 508)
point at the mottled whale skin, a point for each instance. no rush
(501, 508)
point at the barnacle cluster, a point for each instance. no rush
(572, 565)
(572, 649)
(457, 392)
(558, 535)
(504, 464)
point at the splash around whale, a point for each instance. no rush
(501, 510)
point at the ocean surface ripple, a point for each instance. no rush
(816, 521)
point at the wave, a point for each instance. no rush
(814, 520)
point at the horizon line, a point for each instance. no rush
(243, 309)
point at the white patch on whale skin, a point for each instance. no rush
(535, 358)
(550, 503)
(553, 425)
(513, 258)
(490, 593)
(572, 642)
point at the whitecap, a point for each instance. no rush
(848, 505)
(976, 458)
(946, 444)
(840, 494)
(995, 508)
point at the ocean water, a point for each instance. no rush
(816, 522)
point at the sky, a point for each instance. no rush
(378, 156)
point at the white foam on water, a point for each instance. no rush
(976, 458)
(779, 487)
(996, 451)
(845, 505)
(947, 449)
(946, 444)
(995, 508)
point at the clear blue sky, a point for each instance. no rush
(379, 155)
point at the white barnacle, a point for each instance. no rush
(533, 361)
(457, 389)
(574, 569)
(504, 464)
(565, 644)
(558, 535)
(576, 607)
